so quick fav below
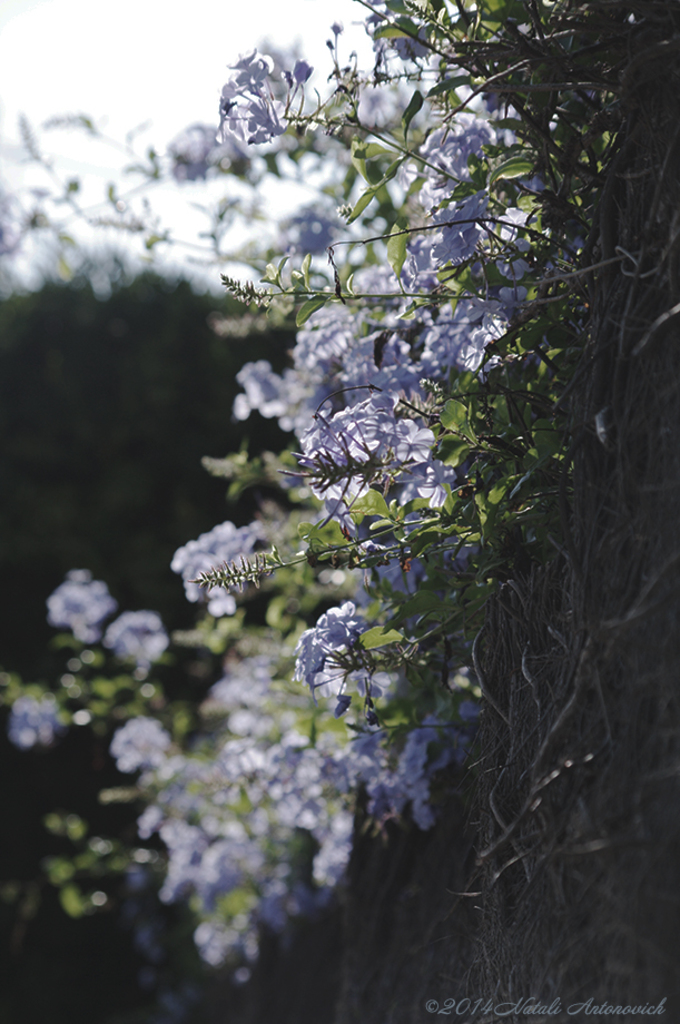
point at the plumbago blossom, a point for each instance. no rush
(196, 152)
(81, 604)
(248, 108)
(141, 743)
(34, 722)
(252, 748)
(319, 660)
(343, 455)
(310, 230)
(137, 636)
(223, 544)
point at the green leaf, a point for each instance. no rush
(547, 439)
(371, 504)
(371, 192)
(396, 250)
(448, 85)
(363, 151)
(361, 204)
(59, 869)
(422, 539)
(306, 264)
(424, 601)
(309, 307)
(453, 451)
(515, 167)
(153, 240)
(496, 12)
(415, 104)
(379, 636)
(320, 537)
(454, 415)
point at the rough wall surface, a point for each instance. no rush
(401, 937)
(580, 801)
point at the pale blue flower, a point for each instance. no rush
(138, 636)
(80, 604)
(140, 743)
(214, 941)
(34, 722)
(457, 240)
(342, 705)
(448, 150)
(224, 543)
(302, 72)
(252, 71)
(428, 480)
(335, 632)
(369, 440)
(247, 107)
(310, 230)
(196, 152)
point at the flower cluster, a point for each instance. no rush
(308, 231)
(196, 152)
(34, 722)
(141, 743)
(317, 650)
(213, 848)
(224, 543)
(81, 604)
(290, 785)
(391, 787)
(137, 636)
(366, 443)
(248, 109)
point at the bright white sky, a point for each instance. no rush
(134, 61)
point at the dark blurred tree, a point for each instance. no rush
(106, 408)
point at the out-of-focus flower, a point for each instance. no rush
(342, 705)
(224, 543)
(302, 72)
(215, 941)
(80, 604)
(34, 722)
(141, 743)
(195, 152)
(263, 388)
(308, 231)
(244, 684)
(139, 636)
